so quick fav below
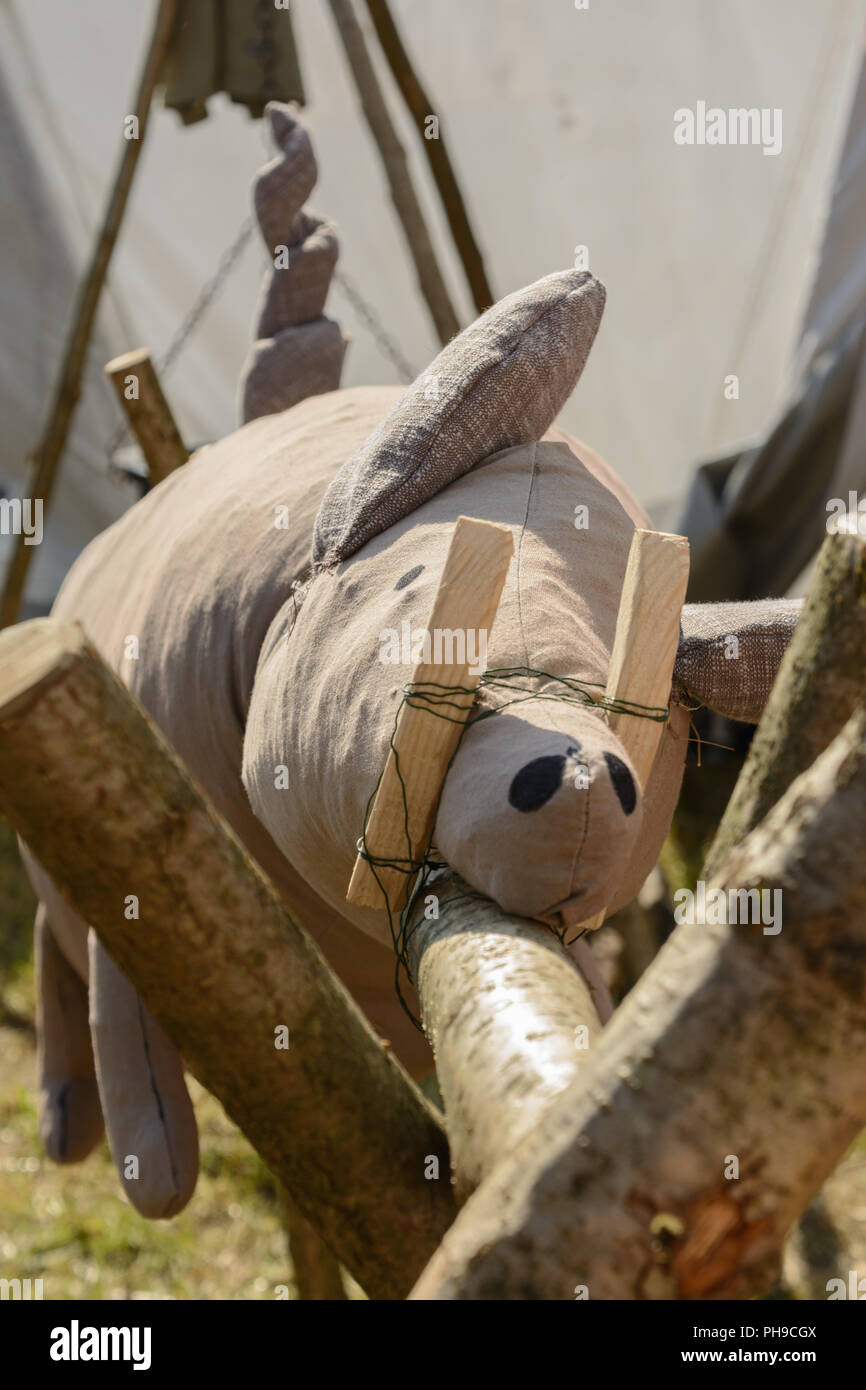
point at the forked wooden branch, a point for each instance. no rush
(708, 1116)
(109, 810)
(465, 603)
(628, 1185)
(820, 683)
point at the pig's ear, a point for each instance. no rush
(499, 383)
(729, 653)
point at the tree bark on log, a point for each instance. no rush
(108, 810)
(510, 1020)
(820, 683)
(393, 156)
(736, 1052)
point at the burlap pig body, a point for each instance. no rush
(283, 708)
(540, 809)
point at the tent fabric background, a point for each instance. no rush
(755, 517)
(560, 123)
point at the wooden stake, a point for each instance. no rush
(645, 648)
(148, 412)
(44, 462)
(465, 605)
(403, 194)
(317, 1272)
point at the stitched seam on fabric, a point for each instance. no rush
(578, 849)
(156, 1095)
(533, 473)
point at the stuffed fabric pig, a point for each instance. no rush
(281, 696)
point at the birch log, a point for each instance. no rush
(108, 810)
(723, 1093)
(510, 1020)
(820, 682)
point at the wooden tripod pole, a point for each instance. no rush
(396, 165)
(45, 459)
(421, 108)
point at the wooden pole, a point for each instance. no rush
(722, 1094)
(421, 107)
(108, 810)
(141, 398)
(317, 1273)
(408, 794)
(44, 462)
(820, 683)
(396, 165)
(645, 648)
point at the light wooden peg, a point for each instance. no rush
(466, 602)
(645, 648)
(148, 412)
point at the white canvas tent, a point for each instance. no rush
(756, 516)
(560, 123)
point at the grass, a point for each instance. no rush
(72, 1227)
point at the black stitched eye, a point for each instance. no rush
(623, 782)
(536, 782)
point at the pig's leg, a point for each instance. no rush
(148, 1112)
(70, 1118)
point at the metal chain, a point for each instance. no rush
(208, 292)
(372, 322)
(206, 296)
(211, 288)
